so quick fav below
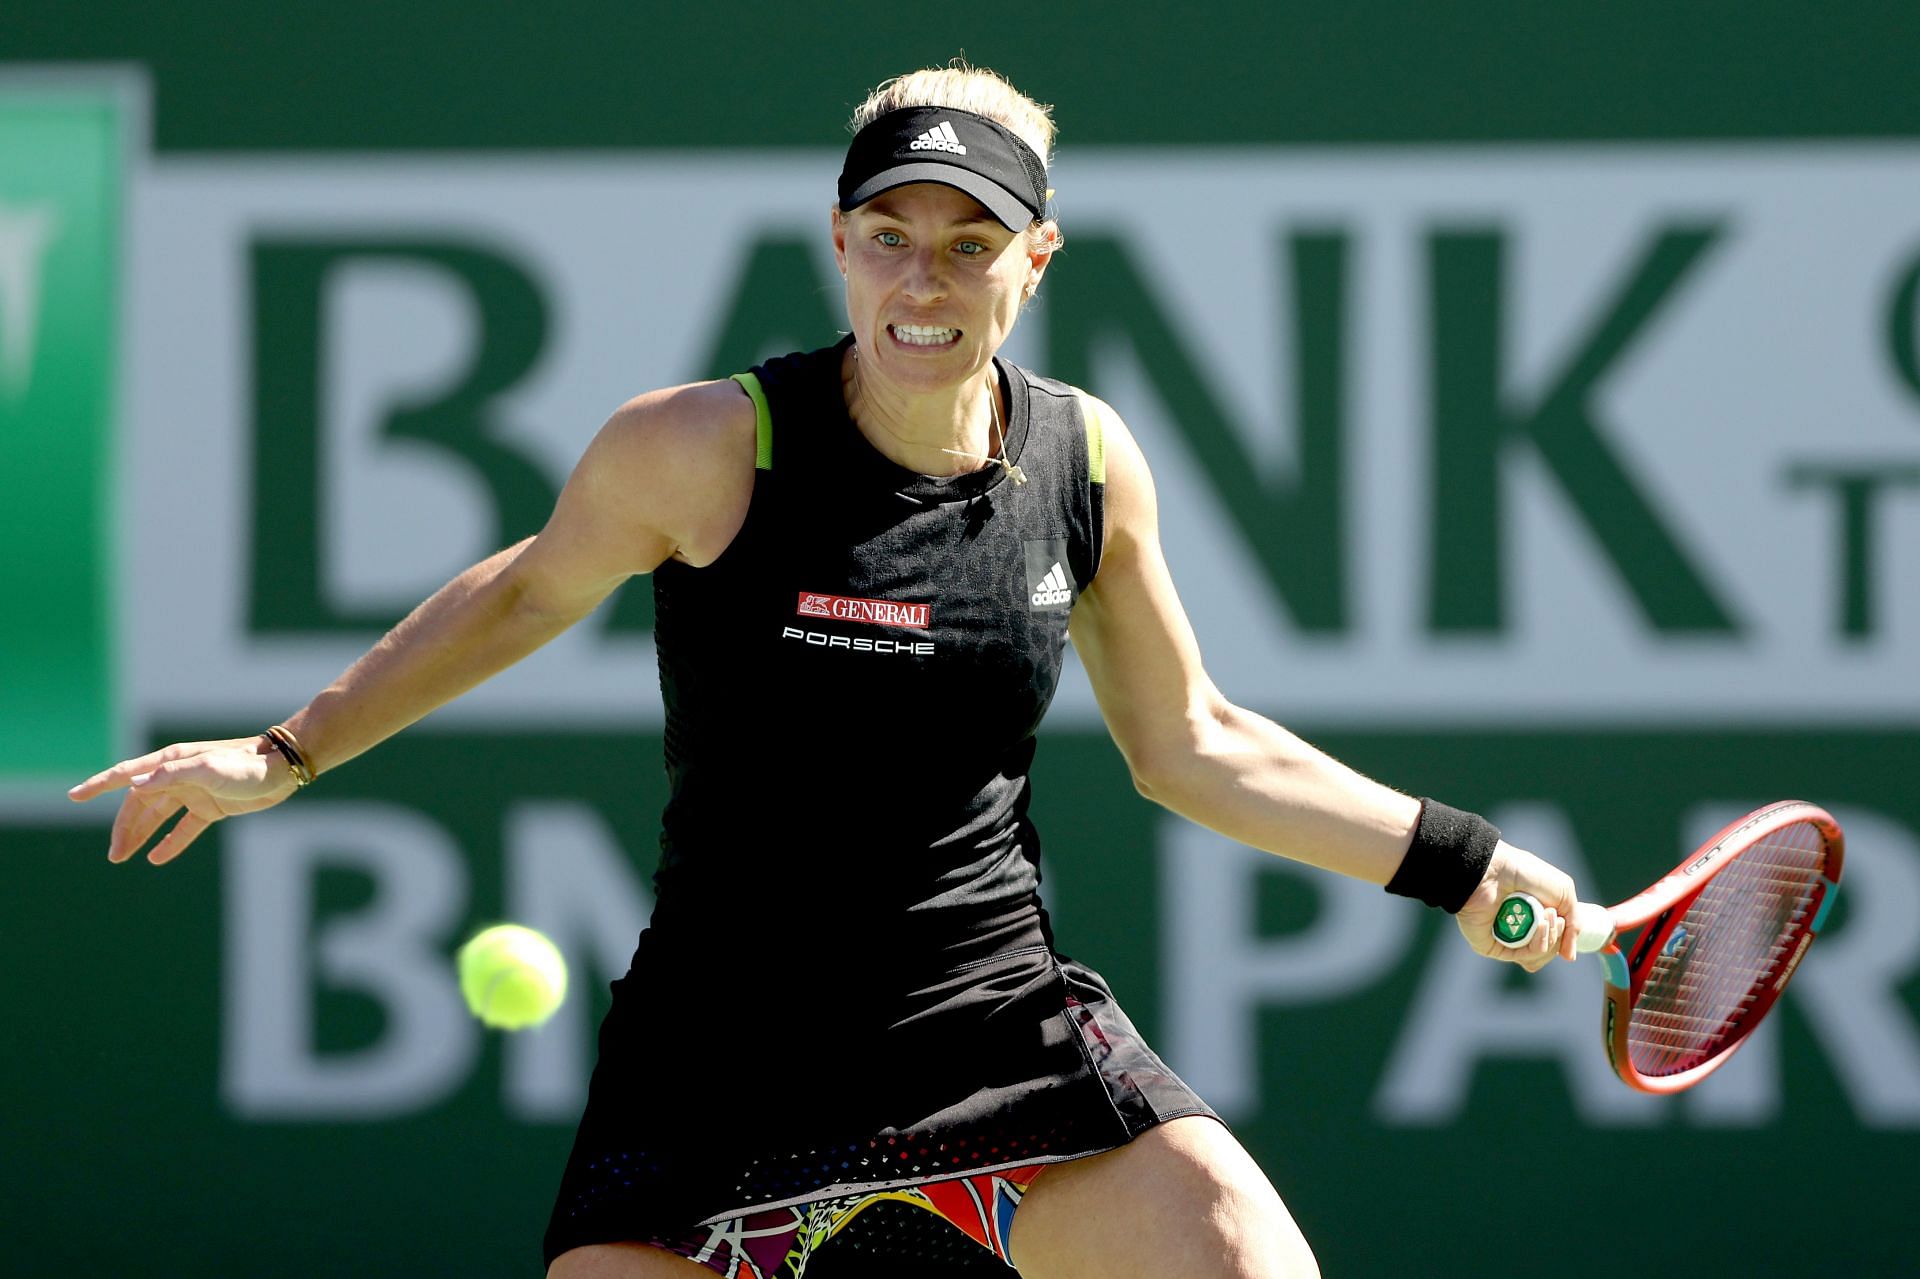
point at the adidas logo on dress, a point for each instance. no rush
(1053, 588)
(940, 137)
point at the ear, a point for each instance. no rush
(839, 222)
(1038, 258)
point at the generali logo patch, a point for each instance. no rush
(845, 608)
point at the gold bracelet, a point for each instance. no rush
(283, 741)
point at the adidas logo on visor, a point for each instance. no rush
(1053, 588)
(940, 137)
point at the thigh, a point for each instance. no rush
(624, 1261)
(1183, 1198)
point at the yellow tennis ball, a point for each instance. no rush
(512, 977)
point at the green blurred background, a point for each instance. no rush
(195, 1070)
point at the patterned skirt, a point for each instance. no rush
(913, 1142)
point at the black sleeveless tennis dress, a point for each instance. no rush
(849, 983)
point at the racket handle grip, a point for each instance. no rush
(1518, 919)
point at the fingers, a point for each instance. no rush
(1566, 908)
(1549, 937)
(124, 772)
(150, 816)
(132, 810)
(139, 816)
(1560, 890)
(1517, 871)
(1545, 943)
(184, 832)
(209, 780)
(114, 778)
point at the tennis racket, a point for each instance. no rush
(1719, 937)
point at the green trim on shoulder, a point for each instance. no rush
(763, 421)
(1096, 438)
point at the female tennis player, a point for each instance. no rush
(848, 1018)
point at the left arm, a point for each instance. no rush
(1191, 750)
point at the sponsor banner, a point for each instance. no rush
(61, 151)
(1441, 435)
(312, 1055)
(364, 888)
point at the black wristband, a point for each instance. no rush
(1448, 858)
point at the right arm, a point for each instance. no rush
(637, 497)
(669, 475)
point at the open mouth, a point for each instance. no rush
(924, 336)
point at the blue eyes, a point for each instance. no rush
(894, 240)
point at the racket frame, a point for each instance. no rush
(1658, 910)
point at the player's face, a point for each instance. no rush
(934, 284)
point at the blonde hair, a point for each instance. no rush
(981, 91)
(963, 88)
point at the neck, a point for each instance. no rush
(944, 433)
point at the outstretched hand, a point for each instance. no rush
(1516, 870)
(201, 781)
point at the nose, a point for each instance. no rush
(926, 279)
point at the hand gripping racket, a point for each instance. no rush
(1719, 938)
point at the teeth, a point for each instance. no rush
(923, 334)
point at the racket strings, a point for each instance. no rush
(1725, 949)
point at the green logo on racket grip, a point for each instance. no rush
(1514, 921)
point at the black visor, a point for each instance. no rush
(959, 149)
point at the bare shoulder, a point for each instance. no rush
(668, 477)
(703, 430)
(1131, 510)
(692, 420)
(681, 460)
